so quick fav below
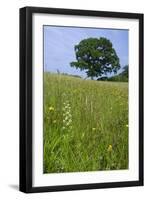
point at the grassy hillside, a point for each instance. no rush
(85, 124)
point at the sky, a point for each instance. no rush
(59, 45)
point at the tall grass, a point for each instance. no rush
(85, 124)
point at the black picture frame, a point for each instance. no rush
(26, 97)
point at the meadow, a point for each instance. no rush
(85, 124)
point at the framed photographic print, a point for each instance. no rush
(81, 99)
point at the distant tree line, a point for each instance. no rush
(122, 77)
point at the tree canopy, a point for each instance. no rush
(96, 56)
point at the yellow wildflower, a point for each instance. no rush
(109, 148)
(127, 125)
(51, 108)
(54, 122)
(93, 129)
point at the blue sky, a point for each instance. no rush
(59, 45)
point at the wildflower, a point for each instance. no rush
(70, 127)
(93, 129)
(67, 117)
(67, 124)
(69, 121)
(54, 122)
(109, 148)
(127, 125)
(51, 108)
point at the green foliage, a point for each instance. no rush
(125, 72)
(72, 75)
(85, 125)
(122, 77)
(96, 56)
(104, 78)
